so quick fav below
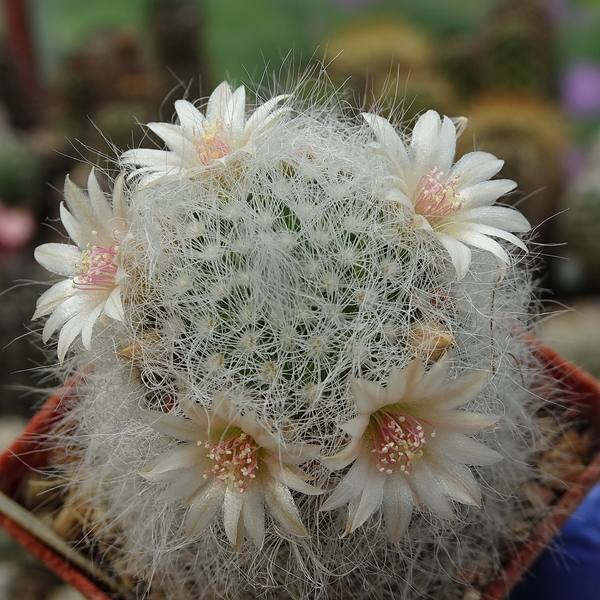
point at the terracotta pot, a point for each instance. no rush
(27, 453)
(585, 392)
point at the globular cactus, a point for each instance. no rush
(300, 365)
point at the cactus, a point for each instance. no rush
(300, 372)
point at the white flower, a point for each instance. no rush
(201, 141)
(234, 463)
(451, 200)
(92, 267)
(410, 447)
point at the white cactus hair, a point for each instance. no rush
(277, 278)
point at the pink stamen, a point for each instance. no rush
(96, 270)
(398, 440)
(236, 460)
(212, 144)
(436, 198)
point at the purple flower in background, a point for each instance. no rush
(581, 89)
(559, 10)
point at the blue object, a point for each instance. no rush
(570, 567)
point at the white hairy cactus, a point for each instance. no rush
(313, 386)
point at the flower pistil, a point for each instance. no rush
(236, 459)
(212, 143)
(436, 198)
(96, 269)
(397, 439)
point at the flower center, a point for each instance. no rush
(398, 440)
(235, 460)
(436, 198)
(96, 269)
(214, 143)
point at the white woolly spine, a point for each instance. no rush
(277, 279)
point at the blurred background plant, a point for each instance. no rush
(76, 77)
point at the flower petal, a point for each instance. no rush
(388, 137)
(118, 221)
(485, 193)
(98, 202)
(80, 206)
(479, 240)
(430, 382)
(199, 414)
(486, 230)
(51, 299)
(456, 481)
(475, 167)
(232, 511)
(222, 411)
(352, 484)
(234, 116)
(150, 157)
(253, 514)
(182, 148)
(204, 507)
(356, 426)
(58, 258)
(463, 449)
(281, 504)
(368, 395)
(345, 456)
(113, 306)
(88, 326)
(216, 109)
(80, 234)
(190, 118)
(397, 506)
(293, 453)
(166, 466)
(395, 388)
(69, 331)
(500, 217)
(369, 501)
(290, 479)
(173, 425)
(459, 392)
(75, 306)
(428, 491)
(460, 255)
(263, 116)
(433, 143)
(462, 421)
(184, 484)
